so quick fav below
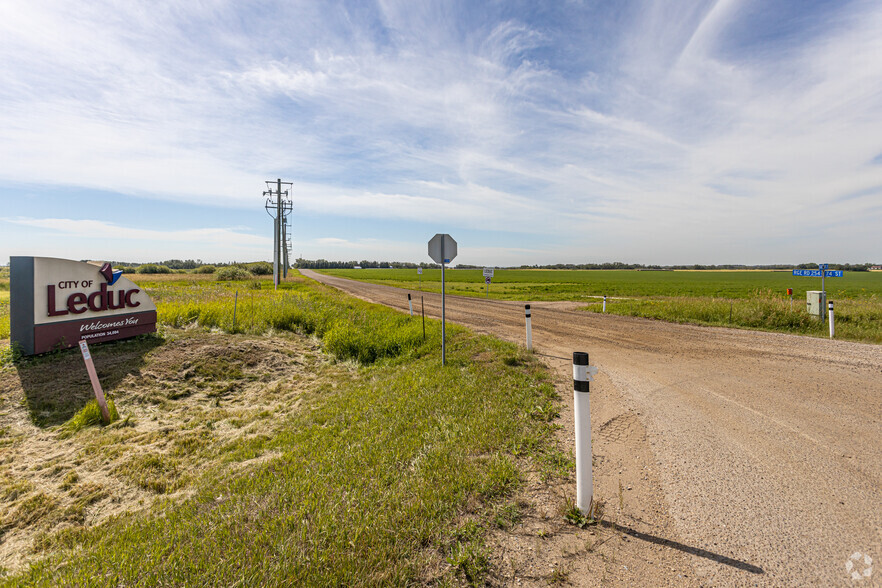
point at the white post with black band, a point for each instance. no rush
(410, 304)
(604, 303)
(582, 373)
(830, 308)
(529, 328)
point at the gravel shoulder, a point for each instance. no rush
(723, 457)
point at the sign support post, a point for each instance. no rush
(96, 384)
(822, 272)
(443, 309)
(442, 249)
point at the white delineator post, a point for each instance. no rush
(581, 385)
(830, 307)
(529, 328)
(604, 303)
(96, 385)
(410, 303)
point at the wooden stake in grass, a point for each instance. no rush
(96, 385)
(235, 305)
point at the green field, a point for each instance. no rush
(744, 299)
(314, 439)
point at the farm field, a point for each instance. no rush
(743, 299)
(266, 438)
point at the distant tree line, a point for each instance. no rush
(170, 265)
(364, 264)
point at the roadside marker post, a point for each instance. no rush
(96, 385)
(423, 305)
(410, 303)
(442, 249)
(420, 274)
(488, 276)
(527, 312)
(830, 307)
(790, 293)
(582, 378)
(604, 303)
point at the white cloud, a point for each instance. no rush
(419, 113)
(94, 228)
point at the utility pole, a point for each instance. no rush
(278, 205)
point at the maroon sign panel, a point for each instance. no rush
(55, 303)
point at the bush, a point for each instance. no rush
(205, 269)
(233, 273)
(152, 268)
(261, 268)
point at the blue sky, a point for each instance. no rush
(532, 132)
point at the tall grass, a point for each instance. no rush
(389, 479)
(349, 328)
(858, 320)
(4, 314)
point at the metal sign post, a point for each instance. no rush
(822, 272)
(488, 277)
(420, 274)
(442, 249)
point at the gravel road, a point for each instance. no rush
(765, 448)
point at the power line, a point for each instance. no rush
(278, 205)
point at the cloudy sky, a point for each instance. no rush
(532, 132)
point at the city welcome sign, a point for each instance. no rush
(56, 303)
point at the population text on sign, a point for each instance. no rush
(818, 273)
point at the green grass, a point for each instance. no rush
(855, 319)
(582, 284)
(88, 416)
(757, 299)
(4, 312)
(349, 328)
(392, 476)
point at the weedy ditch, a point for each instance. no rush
(855, 319)
(320, 444)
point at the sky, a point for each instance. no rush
(532, 132)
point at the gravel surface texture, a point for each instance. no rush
(735, 457)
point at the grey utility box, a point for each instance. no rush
(815, 302)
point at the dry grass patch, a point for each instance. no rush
(189, 402)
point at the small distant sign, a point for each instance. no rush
(420, 271)
(488, 272)
(818, 273)
(487, 279)
(823, 266)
